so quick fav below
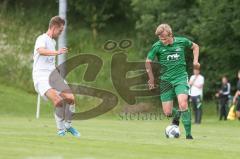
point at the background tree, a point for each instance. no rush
(98, 13)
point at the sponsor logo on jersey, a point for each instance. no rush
(173, 57)
(51, 59)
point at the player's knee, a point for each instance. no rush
(70, 98)
(183, 105)
(167, 113)
(58, 101)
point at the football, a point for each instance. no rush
(172, 131)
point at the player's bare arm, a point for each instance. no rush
(46, 52)
(148, 66)
(195, 49)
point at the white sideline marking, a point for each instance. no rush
(38, 106)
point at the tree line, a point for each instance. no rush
(214, 25)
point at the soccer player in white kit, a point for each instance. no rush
(44, 64)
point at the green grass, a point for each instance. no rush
(24, 137)
(103, 138)
(15, 102)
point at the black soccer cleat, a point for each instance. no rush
(189, 137)
(175, 121)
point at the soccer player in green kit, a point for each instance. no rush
(170, 53)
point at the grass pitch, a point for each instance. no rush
(24, 137)
(27, 138)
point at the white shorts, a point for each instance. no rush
(42, 83)
(42, 87)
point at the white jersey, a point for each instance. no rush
(199, 80)
(43, 65)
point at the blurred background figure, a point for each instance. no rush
(196, 83)
(236, 98)
(223, 95)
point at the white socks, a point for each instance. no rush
(63, 116)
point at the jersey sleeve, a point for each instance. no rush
(187, 43)
(152, 53)
(40, 42)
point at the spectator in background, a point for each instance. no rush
(196, 83)
(236, 98)
(223, 95)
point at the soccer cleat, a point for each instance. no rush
(74, 132)
(61, 132)
(175, 121)
(189, 137)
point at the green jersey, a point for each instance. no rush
(171, 57)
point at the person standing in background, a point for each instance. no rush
(223, 95)
(236, 98)
(196, 83)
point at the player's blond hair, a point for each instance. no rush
(163, 27)
(56, 20)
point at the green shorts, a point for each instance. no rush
(171, 88)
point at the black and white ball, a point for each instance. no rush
(172, 131)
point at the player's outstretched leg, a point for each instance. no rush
(69, 111)
(59, 118)
(171, 111)
(176, 116)
(186, 120)
(185, 114)
(59, 108)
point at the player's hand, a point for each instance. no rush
(63, 50)
(196, 65)
(151, 84)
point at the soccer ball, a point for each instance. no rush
(172, 131)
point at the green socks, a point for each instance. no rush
(176, 116)
(175, 113)
(186, 120)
